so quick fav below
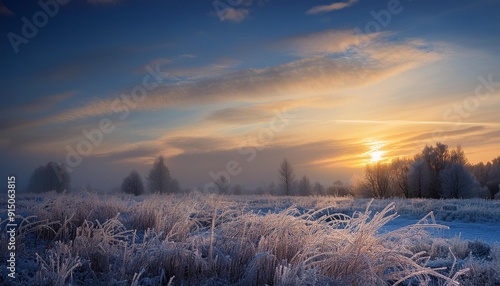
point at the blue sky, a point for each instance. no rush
(345, 80)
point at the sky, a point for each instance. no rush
(233, 87)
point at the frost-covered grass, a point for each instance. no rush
(195, 239)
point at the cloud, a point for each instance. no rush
(240, 115)
(331, 7)
(233, 15)
(302, 78)
(135, 152)
(220, 67)
(9, 119)
(264, 112)
(199, 144)
(325, 42)
(187, 56)
(44, 103)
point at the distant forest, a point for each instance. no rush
(436, 172)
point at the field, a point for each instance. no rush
(197, 239)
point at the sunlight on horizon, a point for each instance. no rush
(375, 153)
(376, 156)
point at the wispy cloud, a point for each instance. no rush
(44, 103)
(301, 78)
(331, 7)
(187, 56)
(219, 68)
(325, 42)
(240, 115)
(263, 112)
(235, 15)
(11, 121)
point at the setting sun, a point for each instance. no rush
(376, 156)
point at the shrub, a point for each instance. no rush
(133, 184)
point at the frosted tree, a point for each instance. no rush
(286, 176)
(493, 183)
(419, 179)
(133, 184)
(159, 180)
(457, 182)
(51, 177)
(305, 186)
(457, 156)
(437, 158)
(481, 172)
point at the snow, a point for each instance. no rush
(488, 232)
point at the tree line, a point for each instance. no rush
(436, 172)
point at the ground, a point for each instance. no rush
(198, 239)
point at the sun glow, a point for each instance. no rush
(375, 153)
(376, 156)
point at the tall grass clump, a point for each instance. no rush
(57, 268)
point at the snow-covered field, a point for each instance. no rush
(196, 239)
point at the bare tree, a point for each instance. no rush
(305, 186)
(159, 179)
(286, 176)
(132, 184)
(399, 171)
(378, 178)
